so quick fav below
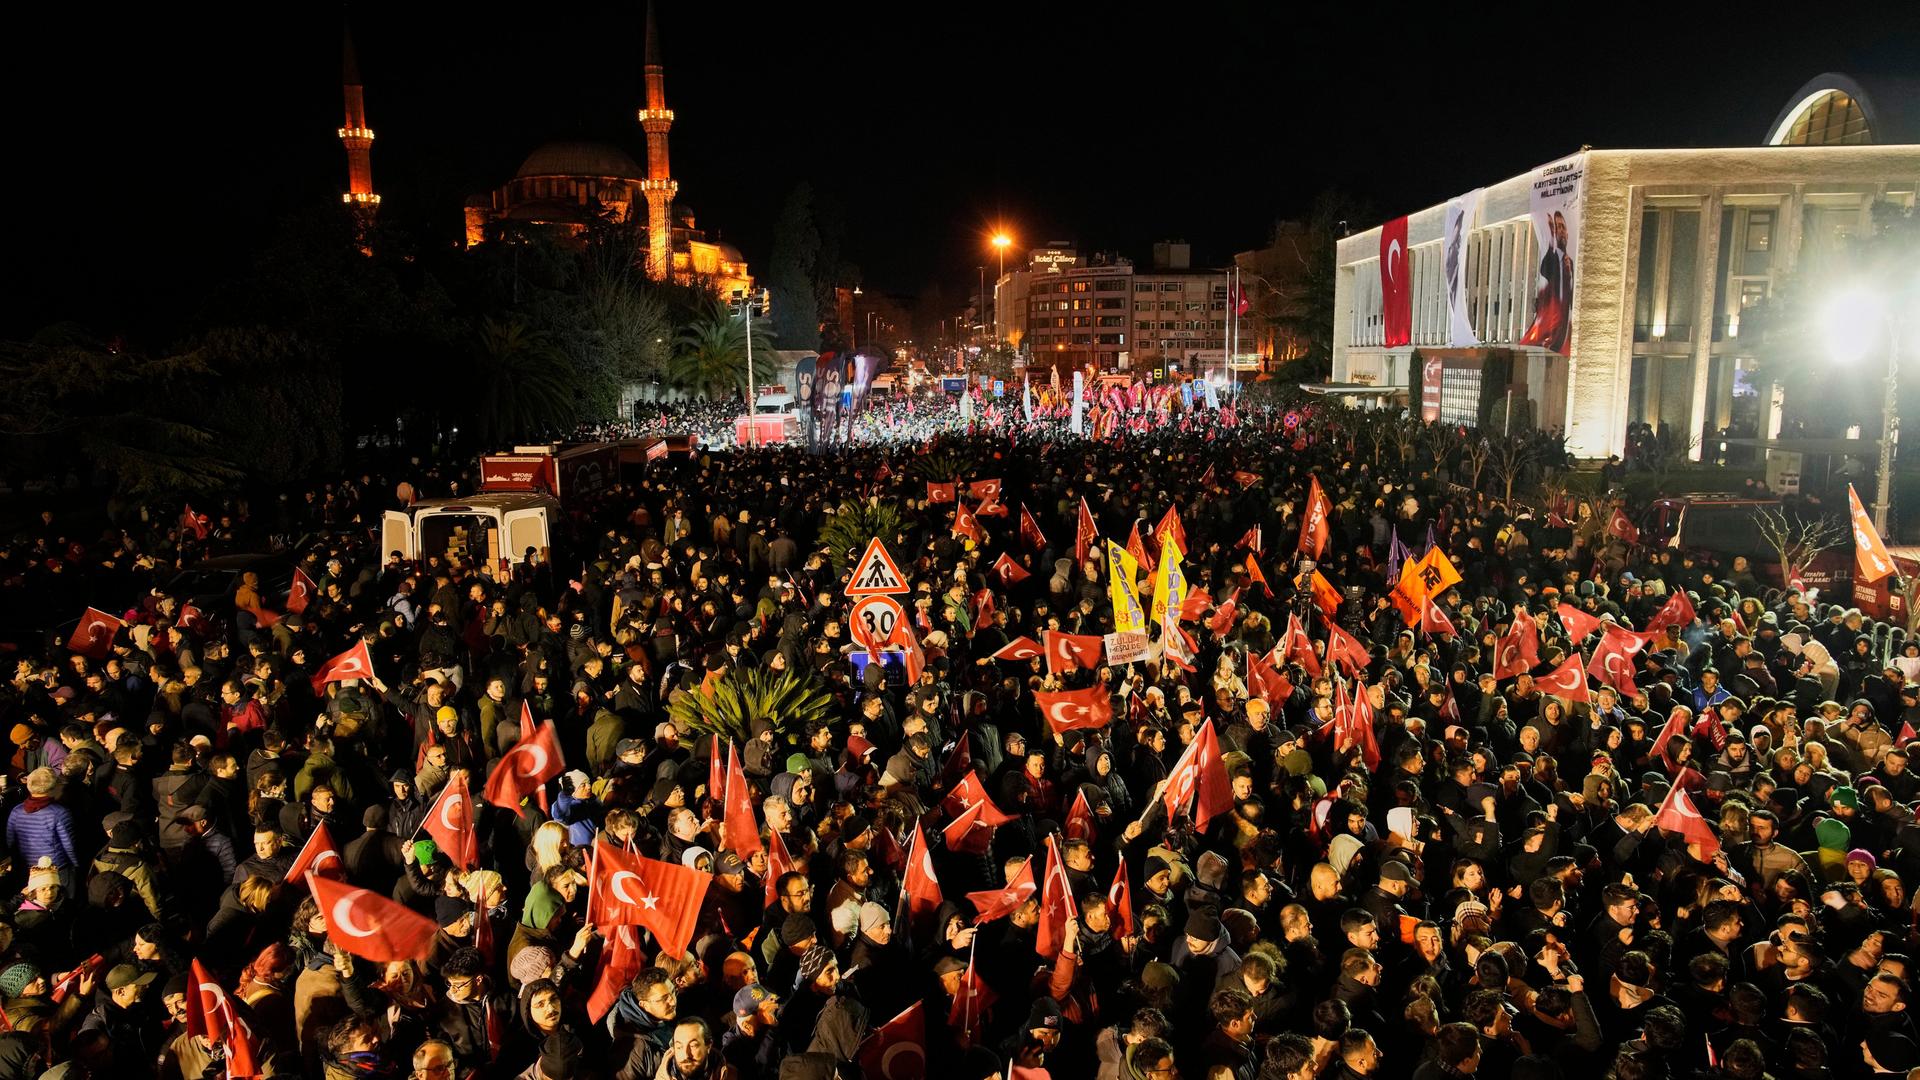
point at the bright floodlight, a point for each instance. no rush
(1001, 240)
(1852, 323)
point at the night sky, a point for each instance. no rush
(154, 144)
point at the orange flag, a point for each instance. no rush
(1314, 527)
(1870, 555)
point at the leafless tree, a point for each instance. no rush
(1508, 459)
(1798, 539)
(1473, 454)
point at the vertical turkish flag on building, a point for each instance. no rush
(1030, 533)
(1199, 771)
(991, 904)
(1120, 898)
(210, 1015)
(1084, 534)
(1870, 555)
(663, 897)
(527, 765)
(450, 823)
(355, 663)
(369, 925)
(301, 592)
(741, 831)
(1396, 285)
(318, 856)
(897, 1049)
(1313, 525)
(1056, 904)
(93, 636)
(1677, 814)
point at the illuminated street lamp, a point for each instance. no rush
(1001, 242)
(1853, 321)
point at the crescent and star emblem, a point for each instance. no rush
(618, 885)
(1393, 250)
(536, 754)
(447, 809)
(342, 916)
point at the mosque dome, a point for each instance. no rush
(580, 159)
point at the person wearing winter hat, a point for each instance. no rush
(42, 828)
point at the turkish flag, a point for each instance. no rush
(1254, 575)
(450, 823)
(970, 1005)
(1199, 771)
(1612, 662)
(1222, 622)
(717, 771)
(1435, 621)
(740, 829)
(912, 656)
(1314, 527)
(1020, 648)
(1075, 709)
(1170, 527)
(1678, 718)
(1084, 534)
(525, 767)
(1620, 528)
(897, 1049)
(1177, 645)
(1080, 824)
(1194, 607)
(969, 833)
(633, 890)
(968, 793)
(1008, 571)
(92, 636)
(301, 592)
(942, 493)
(620, 962)
(1396, 285)
(1677, 814)
(1869, 554)
(1297, 647)
(984, 491)
(920, 886)
(318, 856)
(991, 904)
(194, 621)
(1030, 533)
(355, 663)
(68, 983)
(1579, 624)
(1056, 904)
(1345, 650)
(1246, 479)
(966, 526)
(1518, 650)
(1120, 899)
(1067, 653)
(194, 523)
(1677, 611)
(1268, 684)
(982, 608)
(778, 863)
(1138, 549)
(1252, 540)
(210, 1015)
(369, 925)
(959, 763)
(1569, 680)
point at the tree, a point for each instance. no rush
(1309, 317)
(790, 271)
(272, 401)
(522, 385)
(1798, 539)
(785, 700)
(847, 533)
(711, 355)
(1509, 457)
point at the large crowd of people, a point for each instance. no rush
(1546, 805)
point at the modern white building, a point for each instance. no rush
(1671, 246)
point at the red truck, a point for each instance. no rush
(564, 472)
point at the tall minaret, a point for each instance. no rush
(357, 136)
(659, 186)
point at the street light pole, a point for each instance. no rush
(1889, 429)
(753, 397)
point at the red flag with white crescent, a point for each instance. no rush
(1677, 814)
(741, 830)
(991, 904)
(1677, 611)
(1579, 624)
(969, 832)
(525, 767)
(1518, 650)
(967, 794)
(663, 897)
(1067, 653)
(450, 823)
(1072, 710)
(92, 637)
(1019, 649)
(620, 962)
(369, 925)
(1297, 648)
(355, 663)
(778, 863)
(1396, 285)
(897, 1049)
(1080, 824)
(1612, 661)
(1030, 533)
(970, 1005)
(301, 592)
(1345, 650)
(318, 855)
(1201, 772)
(1120, 898)
(1056, 904)
(920, 885)
(1008, 571)
(211, 1015)
(1569, 680)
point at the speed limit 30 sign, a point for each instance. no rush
(876, 621)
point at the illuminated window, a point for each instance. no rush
(1832, 119)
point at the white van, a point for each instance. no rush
(494, 527)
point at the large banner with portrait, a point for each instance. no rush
(1555, 199)
(1462, 213)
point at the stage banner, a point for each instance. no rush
(1555, 199)
(1462, 213)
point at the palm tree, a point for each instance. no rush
(526, 385)
(710, 355)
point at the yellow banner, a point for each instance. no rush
(1169, 581)
(1122, 570)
